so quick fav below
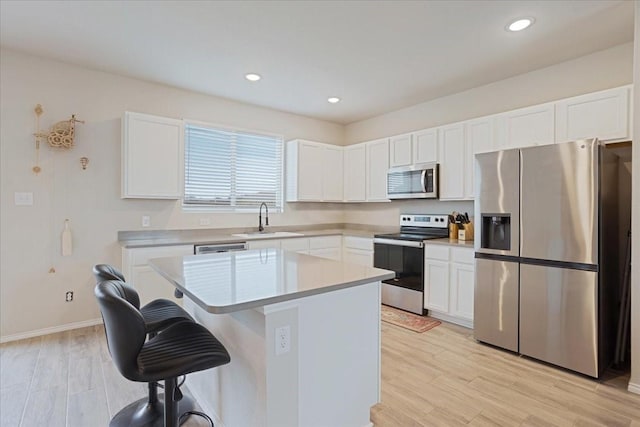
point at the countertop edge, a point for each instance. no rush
(273, 299)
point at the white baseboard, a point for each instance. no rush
(451, 319)
(634, 388)
(52, 330)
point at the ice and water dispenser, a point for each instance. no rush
(496, 231)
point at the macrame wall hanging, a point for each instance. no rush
(61, 135)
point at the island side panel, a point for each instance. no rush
(339, 357)
(234, 394)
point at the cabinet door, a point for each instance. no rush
(425, 146)
(436, 285)
(478, 139)
(452, 162)
(527, 126)
(300, 245)
(401, 150)
(332, 170)
(377, 168)
(311, 171)
(263, 243)
(357, 256)
(355, 173)
(152, 157)
(462, 279)
(150, 285)
(604, 115)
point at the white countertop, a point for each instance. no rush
(233, 281)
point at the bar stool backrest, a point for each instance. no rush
(124, 325)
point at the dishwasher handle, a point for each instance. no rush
(222, 247)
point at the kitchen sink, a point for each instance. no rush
(267, 235)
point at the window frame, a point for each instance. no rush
(192, 207)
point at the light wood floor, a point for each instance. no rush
(443, 377)
(438, 378)
(64, 379)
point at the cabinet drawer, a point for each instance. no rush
(140, 256)
(462, 255)
(325, 242)
(353, 242)
(439, 252)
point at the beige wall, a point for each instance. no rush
(609, 68)
(30, 297)
(602, 70)
(634, 382)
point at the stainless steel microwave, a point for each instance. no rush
(419, 181)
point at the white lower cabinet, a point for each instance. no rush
(449, 283)
(326, 247)
(436, 285)
(264, 243)
(299, 245)
(149, 284)
(357, 250)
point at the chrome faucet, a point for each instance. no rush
(266, 220)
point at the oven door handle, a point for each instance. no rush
(393, 242)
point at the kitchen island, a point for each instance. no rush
(303, 333)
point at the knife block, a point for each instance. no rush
(453, 231)
(466, 232)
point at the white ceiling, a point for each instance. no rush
(378, 56)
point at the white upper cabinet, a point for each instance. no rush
(314, 172)
(304, 171)
(377, 166)
(401, 150)
(355, 173)
(152, 157)
(332, 165)
(604, 115)
(479, 139)
(452, 161)
(425, 146)
(526, 127)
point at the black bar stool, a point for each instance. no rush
(158, 315)
(180, 349)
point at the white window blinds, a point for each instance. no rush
(232, 169)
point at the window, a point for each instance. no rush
(231, 169)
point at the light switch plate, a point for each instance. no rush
(23, 198)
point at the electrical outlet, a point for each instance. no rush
(146, 221)
(205, 221)
(68, 297)
(283, 340)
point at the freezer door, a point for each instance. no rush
(558, 317)
(559, 191)
(497, 202)
(496, 303)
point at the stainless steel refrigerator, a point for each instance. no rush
(546, 253)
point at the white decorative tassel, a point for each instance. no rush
(67, 246)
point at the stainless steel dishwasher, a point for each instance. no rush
(219, 247)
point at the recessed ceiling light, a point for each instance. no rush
(334, 100)
(252, 77)
(520, 24)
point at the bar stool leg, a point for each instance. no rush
(170, 402)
